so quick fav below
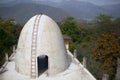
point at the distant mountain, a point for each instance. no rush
(11, 3)
(85, 10)
(23, 11)
(114, 9)
(80, 10)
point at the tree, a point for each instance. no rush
(103, 23)
(69, 27)
(106, 52)
(116, 26)
(9, 33)
(103, 20)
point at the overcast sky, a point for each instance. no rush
(98, 2)
(102, 2)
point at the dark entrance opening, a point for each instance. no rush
(42, 62)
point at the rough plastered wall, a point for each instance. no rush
(50, 42)
(23, 52)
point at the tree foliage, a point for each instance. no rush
(103, 20)
(6, 38)
(70, 27)
(103, 23)
(9, 33)
(100, 37)
(106, 52)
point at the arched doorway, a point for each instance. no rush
(42, 62)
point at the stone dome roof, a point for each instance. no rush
(40, 36)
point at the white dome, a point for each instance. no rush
(41, 36)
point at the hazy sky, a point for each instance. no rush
(98, 2)
(102, 2)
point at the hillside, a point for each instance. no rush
(114, 9)
(85, 10)
(82, 10)
(23, 11)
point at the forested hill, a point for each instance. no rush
(80, 10)
(85, 10)
(114, 9)
(23, 11)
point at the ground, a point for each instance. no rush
(75, 71)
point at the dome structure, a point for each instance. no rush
(41, 44)
(41, 55)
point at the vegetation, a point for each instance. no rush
(106, 52)
(9, 32)
(70, 27)
(98, 41)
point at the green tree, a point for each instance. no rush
(106, 52)
(103, 20)
(69, 27)
(103, 23)
(9, 33)
(116, 26)
(6, 36)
